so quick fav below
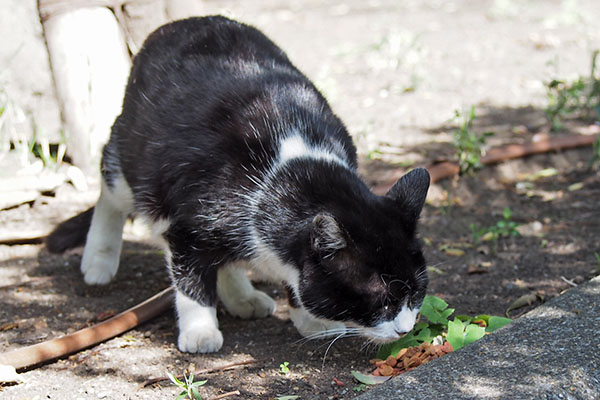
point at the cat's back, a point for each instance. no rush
(196, 51)
(209, 104)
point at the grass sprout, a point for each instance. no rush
(188, 386)
(469, 144)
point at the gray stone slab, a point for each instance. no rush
(552, 352)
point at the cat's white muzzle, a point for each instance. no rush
(388, 331)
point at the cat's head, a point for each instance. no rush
(366, 267)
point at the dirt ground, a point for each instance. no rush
(395, 72)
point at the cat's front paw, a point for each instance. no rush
(200, 339)
(307, 325)
(256, 305)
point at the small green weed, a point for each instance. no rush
(16, 137)
(51, 155)
(597, 255)
(189, 387)
(360, 387)
(459, 331)
(284, 368)
(504, 228)
(580, 98)
(469, 144)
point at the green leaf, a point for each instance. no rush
(466, 318)
(369, 379)
(196, 394)
(497, 323)
(174, 379)
(472, 114)
(359, 388)
(292, 397)
(473, 332)
(182, 395)
(435, 302)
(507, 213)
(483, 317)
(435, 310)
(456, 335)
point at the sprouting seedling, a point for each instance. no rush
(188, 386)
(580, 98)
(359, 388)
(284, 368)
(468, 143)
(506, 227)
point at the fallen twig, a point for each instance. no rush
(199, 372)
(21, 240)
(228, 394)
(52, 349)
(447, 169)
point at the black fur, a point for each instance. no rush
(208, 102)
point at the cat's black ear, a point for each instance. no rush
(326, 235)
(411, 191)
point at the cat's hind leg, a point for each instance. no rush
(238, 295)
(104, 239)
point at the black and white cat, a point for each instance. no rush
(236, 160)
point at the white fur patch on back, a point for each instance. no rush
(294, 146)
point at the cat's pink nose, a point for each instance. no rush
(400, 332)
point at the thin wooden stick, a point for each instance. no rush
(49, 350)
(20, 240)
(152, 381)
(448, 169)
(512, 151)
(228, 394)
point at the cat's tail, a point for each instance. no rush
(70, 233)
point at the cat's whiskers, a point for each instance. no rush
(348, 332)
(329, 333)
(368, 345)
(329, 347)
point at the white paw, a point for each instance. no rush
(256, 305)
(308, 325)
(198, 326)
(200, 338)
(99, 269)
